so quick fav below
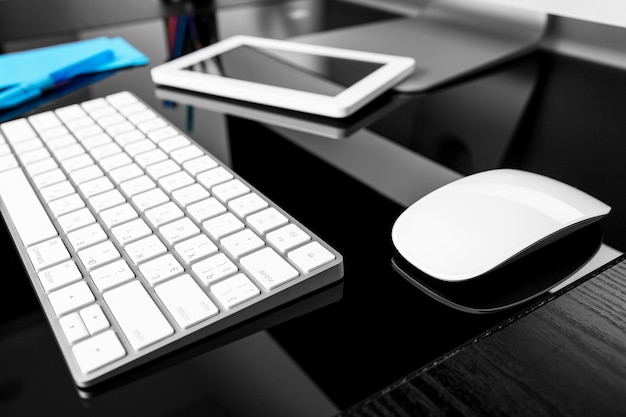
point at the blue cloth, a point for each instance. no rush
(19, 67)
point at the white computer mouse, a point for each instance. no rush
(481, 222)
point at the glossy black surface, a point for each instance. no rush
(348, 184)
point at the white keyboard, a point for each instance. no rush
(137, 241)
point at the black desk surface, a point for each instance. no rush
(550, 114)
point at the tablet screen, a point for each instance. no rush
(294, 70)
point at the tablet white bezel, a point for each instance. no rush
(393, 70)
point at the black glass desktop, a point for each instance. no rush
(331, 350)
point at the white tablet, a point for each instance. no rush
(286, 74)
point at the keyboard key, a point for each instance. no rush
(223, 225)
(160, 269)
(79, 123)
(213, 177)
(287, 237)
(162, 169)
(98, 351)
(127, 137)
(121, 99)
(104, 151)
(117, 215)
(137, 185)
(111, 275)
(66, 204)
(266, 220)
(125, 173)
(96, 186)
(141, 116)
(247, 204)
(53, 133)
(17, 130)
(60, 142)
(150, 199)
(138, 147)
(168, 145)
(39, 167)
(59, 275)
(115, 161)
(76, 220)
(106, 200)
(229, 190)
(152, 124)
(87, 236)
(92, 106)
(119, 128)
(73, 328)
(109, 119)
(162, 133)
(137, 314)
(27, 145)
(195, 248)
(242, 242)
(268, 268)
(34, 156)
(190, 194)
(151, 157)
(181, 155)
(87, 131)
(175, 181)
(131, 108)
(144, 249)
(94, 319)
(61, 189)
(77, 162)
(198, 165)
(179, 230)
(26, 211)
(186, 301)
(86, 174)
(311, 256)
(71, 298)
(70, 112)
(214, 268)
(48, 253)
(234, 290)
(67, 152)
(163, 214)
(8, 162)
(44, 121)
(131, 231)
(206, 209)
(99, 254)
(95, 141)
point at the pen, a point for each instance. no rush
(24, 91)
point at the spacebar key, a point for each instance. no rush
(28, 215)
(138, 316)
